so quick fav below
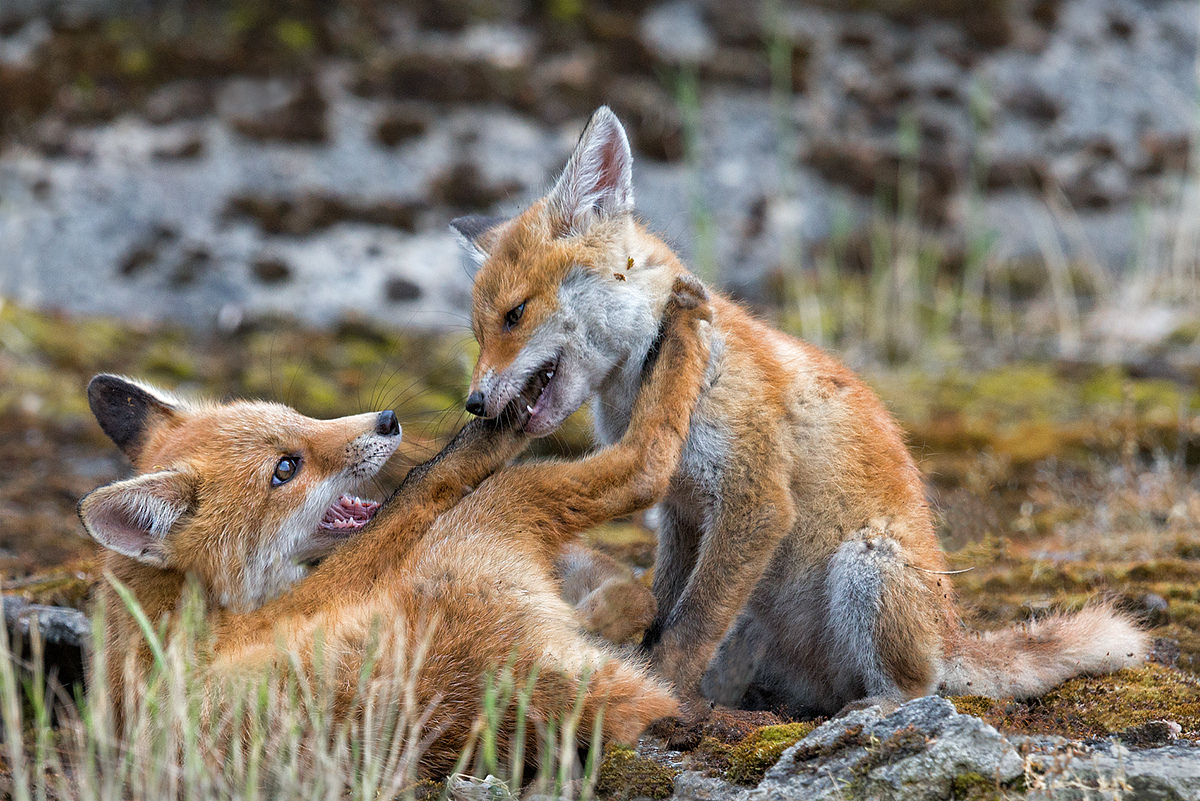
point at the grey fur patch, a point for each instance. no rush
(857, 573)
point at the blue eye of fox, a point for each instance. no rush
(514, 315)
(286, 470)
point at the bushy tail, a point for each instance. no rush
(1028, 660)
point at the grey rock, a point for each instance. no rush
(914, 753)
(692, 785)
(676, 33)
(57, 625)
(1112, 771)
(18, 49)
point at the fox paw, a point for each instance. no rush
(689, 293)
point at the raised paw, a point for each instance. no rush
(688, 293)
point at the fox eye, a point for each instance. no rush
(514, 315)
(286, 470)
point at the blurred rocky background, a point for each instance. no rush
(988, 207)
(1011, 170)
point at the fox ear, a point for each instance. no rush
(126, 410)
(478, 234)
(597, 182)
(133, 517)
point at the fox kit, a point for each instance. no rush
(797, 560)
(246, 496)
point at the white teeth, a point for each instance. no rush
(549, 374)
(529, 409)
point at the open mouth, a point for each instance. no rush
(344, 517)
(536, 395)
(348, 514)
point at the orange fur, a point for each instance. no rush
(481, 567)
(796, 532)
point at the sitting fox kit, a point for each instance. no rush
(797, 562)
(247, 497)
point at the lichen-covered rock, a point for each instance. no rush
(918, 752)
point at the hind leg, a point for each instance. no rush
(736, 662)
(607, 598)
(884, 621)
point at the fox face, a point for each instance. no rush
(566, 290)
(245, 496)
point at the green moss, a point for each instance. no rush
(1096, 706)
(624, 774)
(977, 705)
(750, 759)
(972, 786)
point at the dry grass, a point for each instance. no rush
(187, 733)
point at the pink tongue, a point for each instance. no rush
(349, 512)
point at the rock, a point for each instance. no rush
(650, 115)
(924, 750)
(463, 787)
(465, 188)
(1113, 771)
(66, 635)
(181, 100)
(692, 785)
(271, 270)
(485, 63)
(676, 33)
(400, 290)
(1150, 608)
(306, 213)
(1164, 152)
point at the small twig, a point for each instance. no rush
(942, 572)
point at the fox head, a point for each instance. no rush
(243, 496)
(568, 291)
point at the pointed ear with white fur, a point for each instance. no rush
(478, 234)
(134, 517)
(128, 409)
(597, 183)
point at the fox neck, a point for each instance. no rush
(158, 592)
(614, 398)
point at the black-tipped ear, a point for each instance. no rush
(597, 182)
(478, 234)
(126, 410)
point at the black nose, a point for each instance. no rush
(475, 403)
(386, 424)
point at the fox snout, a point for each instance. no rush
(475, 404)
(386, 424)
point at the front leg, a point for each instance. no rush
(674, 560)
(429, 490)
(746, 527)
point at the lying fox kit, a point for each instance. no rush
(797, 563)
(276, 493)
(246, 497)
